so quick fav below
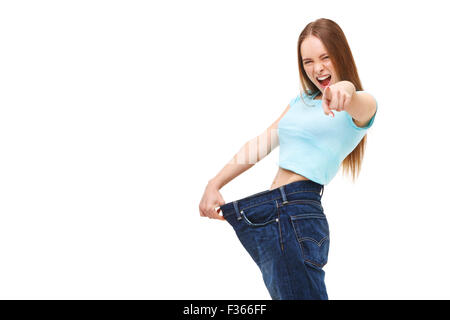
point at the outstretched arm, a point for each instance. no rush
(361, 106)
(249, 154)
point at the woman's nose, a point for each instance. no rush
(318, 68)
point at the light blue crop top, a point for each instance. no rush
(313, 144)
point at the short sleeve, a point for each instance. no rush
(370, 121)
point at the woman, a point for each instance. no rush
(285, 229)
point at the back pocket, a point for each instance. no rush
(312, 233)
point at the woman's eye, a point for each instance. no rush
(326, 57)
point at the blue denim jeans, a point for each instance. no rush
(286, 233)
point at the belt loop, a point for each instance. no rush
(238, 215)
(283, 194)
(321, 191)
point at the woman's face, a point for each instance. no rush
(317, 63)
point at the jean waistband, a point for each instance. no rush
(281, 192)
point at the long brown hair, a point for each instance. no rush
(336, 44)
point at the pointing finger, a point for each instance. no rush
(326, 109)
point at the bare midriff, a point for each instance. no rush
(284, 177)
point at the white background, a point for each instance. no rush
(115, 114)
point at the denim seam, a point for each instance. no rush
(286, 263)
(301, 246)
(314, 263)
(308, 215)
(314, 240)
(317, 203)
(252, 224)
(304, 191)
(259, 203)
(298, 240)
(279, 227)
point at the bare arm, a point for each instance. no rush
(362, 105)
(250, 153)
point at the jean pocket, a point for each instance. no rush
(261, 214)
(312, 232)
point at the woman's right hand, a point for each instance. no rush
(210, 200)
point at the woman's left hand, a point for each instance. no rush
(337, 97)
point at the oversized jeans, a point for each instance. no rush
(286, 233)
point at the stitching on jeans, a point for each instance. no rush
(314, 263)
(279, 227)
(300, 242)
(283, 255)
(314, 215)
(306, 201)
(314, 240)
(280, 198)
(304, 191)
(259, 203)
(296, 235)
(256, 224)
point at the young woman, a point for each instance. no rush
(284, 229)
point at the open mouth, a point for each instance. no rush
(324, 82)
